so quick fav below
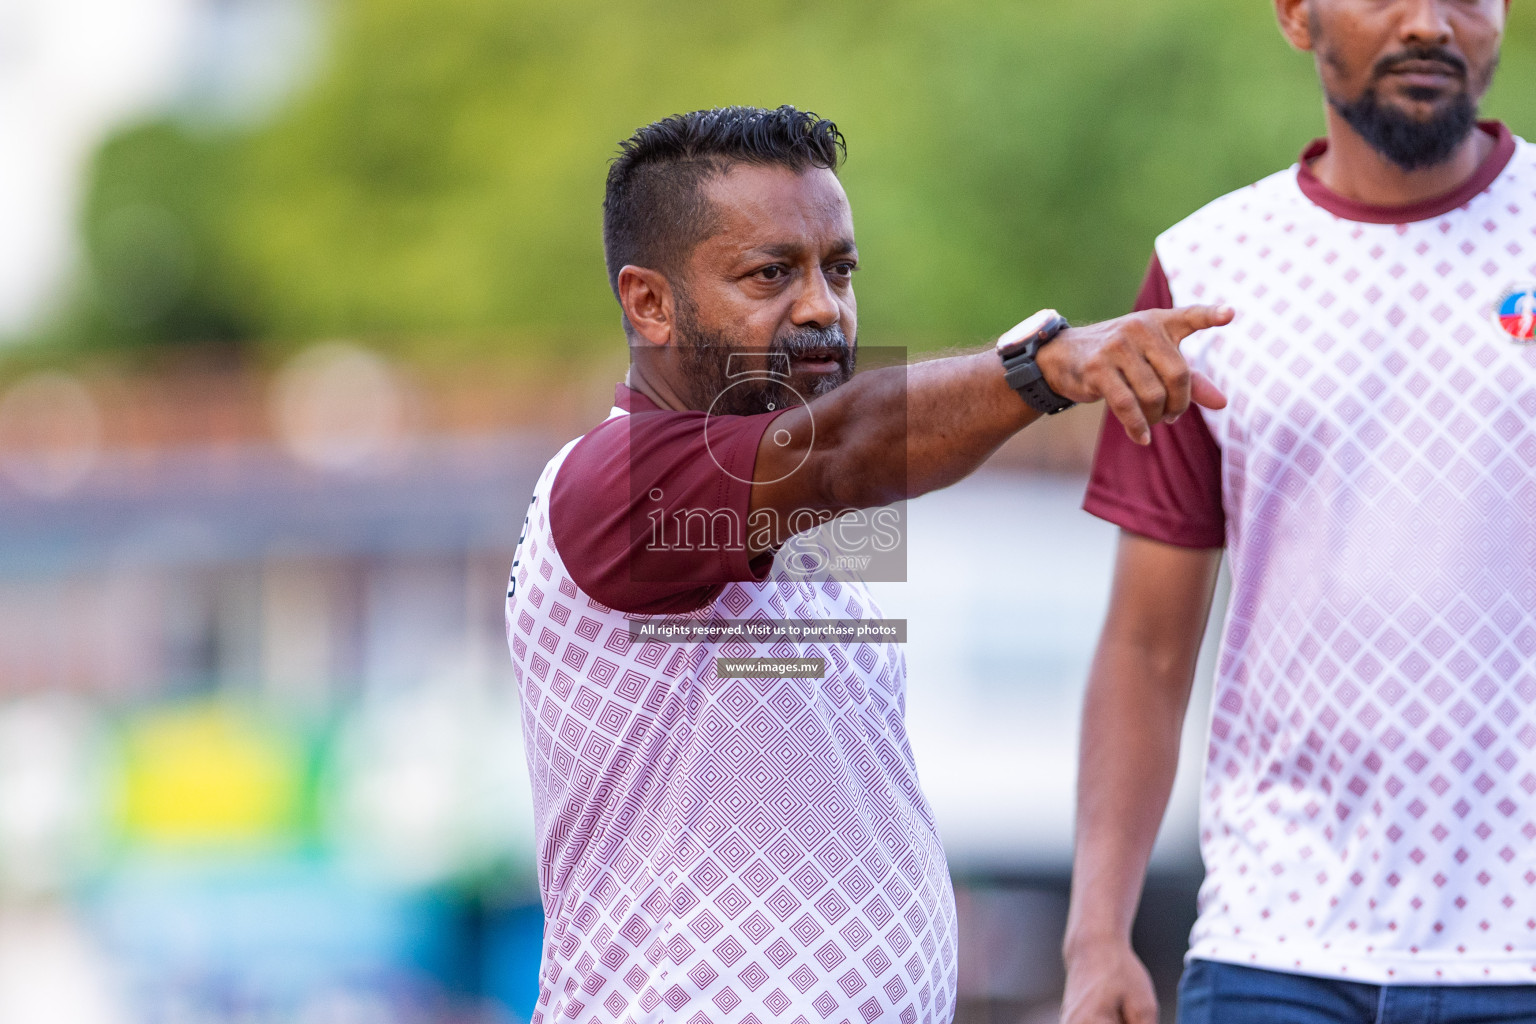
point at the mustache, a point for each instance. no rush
(805, 340)
(1436, 54)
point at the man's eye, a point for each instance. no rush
(771, 273)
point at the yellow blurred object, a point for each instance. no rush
(210, 776)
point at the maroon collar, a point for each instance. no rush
(1350, 209)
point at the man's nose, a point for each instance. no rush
(1424, 23)
(816, 306)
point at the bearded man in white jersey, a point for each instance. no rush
(725, 845)
(1368, 811)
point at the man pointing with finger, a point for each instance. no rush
(1368, 811)
(756, 849)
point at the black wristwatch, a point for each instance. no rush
(1018, 349)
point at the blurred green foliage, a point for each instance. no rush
(441, 179)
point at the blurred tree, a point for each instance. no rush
(442, 178)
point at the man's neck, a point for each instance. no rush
(1351, 168)
(653, 386)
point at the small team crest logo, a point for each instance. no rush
(1516, 315)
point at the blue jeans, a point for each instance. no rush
(1218, 993)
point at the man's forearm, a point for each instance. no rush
(1133, 714)
(900, 432)
(1132, 720)
(905, 431)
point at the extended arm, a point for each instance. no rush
(1138, 692)
(900, 432)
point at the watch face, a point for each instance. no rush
(1014, 339)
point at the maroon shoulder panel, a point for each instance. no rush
(1171, 489)
(650, 511)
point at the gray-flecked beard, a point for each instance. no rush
(754, 380)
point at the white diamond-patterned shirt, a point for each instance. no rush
(1369, 801)
(715, 849)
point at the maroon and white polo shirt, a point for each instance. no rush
(1369, 803)
(712, 850)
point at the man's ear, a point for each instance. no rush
(648, 302)
(1295, 17)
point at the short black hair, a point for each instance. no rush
(655, 211)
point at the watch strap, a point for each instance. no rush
(1024, 376)
(1023, 373)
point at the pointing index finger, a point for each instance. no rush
(1186, 320)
